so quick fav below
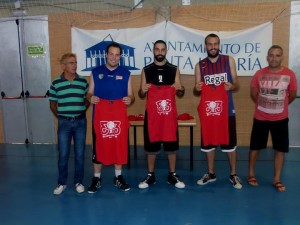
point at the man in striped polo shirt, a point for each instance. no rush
(68, 103)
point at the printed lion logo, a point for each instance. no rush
(164, 106)
(110, 129)
(214, 108)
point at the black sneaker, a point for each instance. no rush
(95, 185)
(121, 183)
(149, 179)
(173, 179)
(207, 178)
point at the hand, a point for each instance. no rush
(94, 99)
(127, 100)
(145, 87)
(198, 86)
(228, 86)
(178, 87)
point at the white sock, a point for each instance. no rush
(118, 172)
(97, 175)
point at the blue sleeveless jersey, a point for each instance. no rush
(110, 85)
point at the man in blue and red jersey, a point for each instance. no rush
(215, 80)
(110, 91)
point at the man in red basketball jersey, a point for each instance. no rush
(160, 82)
(110, 91)
(215, 80)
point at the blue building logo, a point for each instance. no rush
(95, 56)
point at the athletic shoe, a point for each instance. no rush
(79, 188)
(207, 178)
(149, 179)
(95, 185)
(173, 179)
(121, 183)
(236, 181)
(59, 189)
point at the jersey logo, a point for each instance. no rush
(213, 108)
(163, 106)
(101, 76)
(215, 79)
(160, 78)
(110, 129)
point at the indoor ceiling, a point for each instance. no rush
(49, 6)
(20, 8)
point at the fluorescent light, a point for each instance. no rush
(19, 13)
(186, 2)
(138, 4)
(17, 5)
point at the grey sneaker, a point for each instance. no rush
(207, 178)
(236, 181)
(59, 189)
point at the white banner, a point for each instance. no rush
(185, 46)
(294, 54)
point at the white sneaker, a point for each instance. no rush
(143, 185)
(150, 179)
(59, 189)
(180, 184)
(207, 178)
(79, 188)
(236, 181)
(174, 179)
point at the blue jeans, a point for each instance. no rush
(68, 129)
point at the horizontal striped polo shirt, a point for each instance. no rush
(70, 96)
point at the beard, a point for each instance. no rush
(159, 58)
(213, 55)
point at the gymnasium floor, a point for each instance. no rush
(28, 175)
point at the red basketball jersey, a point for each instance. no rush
(213, 115)
(111, 127)
(162, 113)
